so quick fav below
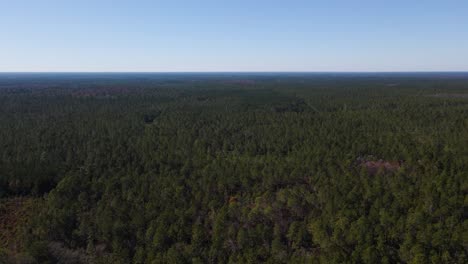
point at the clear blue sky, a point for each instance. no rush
(224, 35)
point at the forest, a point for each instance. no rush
(234, 168)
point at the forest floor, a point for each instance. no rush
(14, 212)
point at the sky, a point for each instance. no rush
(233, 36)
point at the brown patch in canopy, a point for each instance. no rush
(373, 167)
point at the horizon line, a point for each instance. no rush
(418, 71)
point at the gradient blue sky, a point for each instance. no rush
(255, 35)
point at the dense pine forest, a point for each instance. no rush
(234, 168)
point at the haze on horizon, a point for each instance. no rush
(235, 36)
